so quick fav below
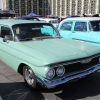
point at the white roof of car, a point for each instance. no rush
(83, 18)
(46, 19)
(14, 22)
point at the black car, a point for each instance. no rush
(95, 15)
(27, 18)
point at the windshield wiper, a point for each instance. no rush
(56, 36)
(46, 37)
(41, 38)
(26, 39)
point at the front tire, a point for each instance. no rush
(29, 77)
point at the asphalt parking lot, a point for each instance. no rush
(13, 87)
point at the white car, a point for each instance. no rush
(50, 20)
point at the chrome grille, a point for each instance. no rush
(80, 66)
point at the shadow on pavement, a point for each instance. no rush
(18, 91)
(82, 89)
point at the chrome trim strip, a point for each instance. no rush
(70, 77)
(86, 41)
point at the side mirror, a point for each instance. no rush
(4, 39)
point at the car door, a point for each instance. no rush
(65, 29)
(80, 32)
(5, 49)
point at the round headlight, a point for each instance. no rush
(60, 71)
(50, 74)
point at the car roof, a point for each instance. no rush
(83, 18)
(47, 19)
(13, 22)
(27, 17)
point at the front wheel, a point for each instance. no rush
(29, 77)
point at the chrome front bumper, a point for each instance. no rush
(69, 77)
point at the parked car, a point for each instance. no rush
(27, 18)
(55, 22)
(90, 15)
(52, 16)
(36, 50)
(84, 29)
(72, 16)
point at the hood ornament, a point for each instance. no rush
(86, 60)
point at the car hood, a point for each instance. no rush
(58, 50)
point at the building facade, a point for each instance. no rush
(74, 7)
(3, 4)
(54, 7)
(4, 12)
(24, 7)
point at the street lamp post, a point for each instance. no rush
(37, 6)
(42, 7)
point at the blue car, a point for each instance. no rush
(84, 29)
(73, 16)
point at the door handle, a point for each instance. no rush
(73, 32)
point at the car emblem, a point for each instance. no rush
(86, 60)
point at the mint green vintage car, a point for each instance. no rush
(84, 29)
(36, 50)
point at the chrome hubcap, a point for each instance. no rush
(29, 76)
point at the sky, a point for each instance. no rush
(0, 4)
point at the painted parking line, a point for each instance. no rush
(1, 98)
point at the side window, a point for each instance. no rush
(66, 26)
(80, 26)
(6, 33)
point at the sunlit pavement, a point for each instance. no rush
(13, 87)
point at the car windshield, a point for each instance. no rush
(95, 25)
(33, 31)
